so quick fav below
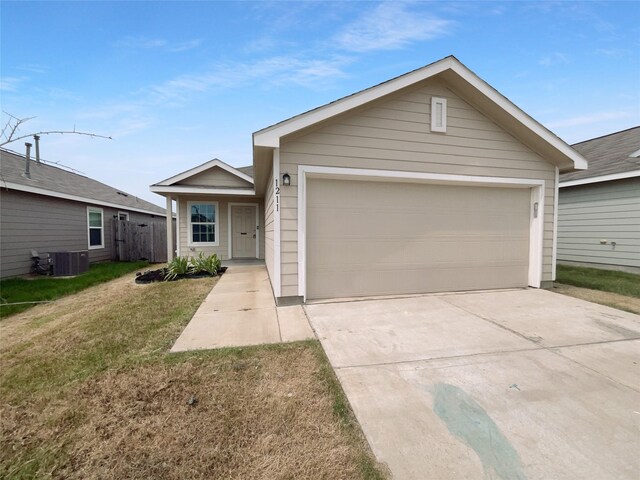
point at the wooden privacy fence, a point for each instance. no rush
(139, 241)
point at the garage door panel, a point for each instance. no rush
(451, 251)
(374, 238)
(354, 282)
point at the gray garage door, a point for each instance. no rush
(378, 238)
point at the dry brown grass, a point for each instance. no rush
(615, 300)
(89, 391)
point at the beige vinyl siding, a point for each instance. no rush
(269, 223)
(215, 177)
(394, 134)
(222, 250)
(607, 211)
(49, 224)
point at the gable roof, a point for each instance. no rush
(170, 185)
(56, 182)
(611, 157)
(462, 80)
(247, 170)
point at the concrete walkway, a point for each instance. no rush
(239, 311)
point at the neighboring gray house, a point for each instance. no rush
(54, 210)
(432, 181)
(599, 214)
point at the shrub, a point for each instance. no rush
(202, 264)
(178, 266)
(192, 265)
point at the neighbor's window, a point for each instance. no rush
(123, 215)
(95, 226)
(203, 225)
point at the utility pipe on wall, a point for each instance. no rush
(37, 141)
(27, 167)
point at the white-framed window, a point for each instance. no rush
(438, 114)
(95, 227)
(123, 216)
(203, 223)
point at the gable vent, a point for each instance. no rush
(438, 114)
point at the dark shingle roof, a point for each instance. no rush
(57, 180)
(247, 170)
(608, 155)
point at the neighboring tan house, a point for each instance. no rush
(599, 214)
(54, 210)
(432, 181)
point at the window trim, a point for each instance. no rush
(123, 213)
(89, 227)
(216, 225)
(434, 102)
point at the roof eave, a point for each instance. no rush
(76, 198)
(560, 153)
(206, 166)
(164, 190)
(600, 179)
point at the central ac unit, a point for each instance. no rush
(70, 263)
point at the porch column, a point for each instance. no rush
(170, 247)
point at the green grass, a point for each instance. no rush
(613, 281)
(106, 364)
(43, 288)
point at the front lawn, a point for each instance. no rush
(89, 390)
(622, 283)
(16, 290)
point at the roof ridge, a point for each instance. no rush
(606, 135)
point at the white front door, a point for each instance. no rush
(244, 231)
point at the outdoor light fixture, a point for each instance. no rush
(286, 180)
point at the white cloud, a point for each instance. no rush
(144, 43)
(184, 46)
(591, 119)
(10, 84)
(33, 68)
(391, 26)
(140, 42)
(552, 59)
(613, 52)
(281, 70)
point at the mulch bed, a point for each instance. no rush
(151, 276)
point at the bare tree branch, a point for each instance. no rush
(51, 132)
(13, 124)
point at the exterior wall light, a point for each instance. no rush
(286, 180)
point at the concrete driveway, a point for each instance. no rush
(519, 384)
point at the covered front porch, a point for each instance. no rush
(217, 211)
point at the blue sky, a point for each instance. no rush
(179, 83)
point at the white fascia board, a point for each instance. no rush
(201, 168)
(76, 198)
(579, 162)
(601, 178)
(201, 191)
(270, 137)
